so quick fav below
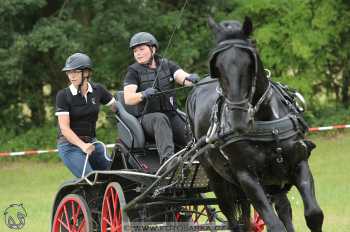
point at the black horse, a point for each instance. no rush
(259, 150)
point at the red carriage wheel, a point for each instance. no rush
(257, 224)
(72, 215)
(113, 216)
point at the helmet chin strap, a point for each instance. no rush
(149, 62)
(81, 84)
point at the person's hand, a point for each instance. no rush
(88, 148)
(194, 78)
(148, 92)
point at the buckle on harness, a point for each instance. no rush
(214, 119)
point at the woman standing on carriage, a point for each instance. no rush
(77, 108)
(147, 76)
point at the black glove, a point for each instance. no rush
(148, 92)
(194, 78)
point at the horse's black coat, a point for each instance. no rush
(247, 170)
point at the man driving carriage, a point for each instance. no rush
(144, 81)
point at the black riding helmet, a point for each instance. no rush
(78, 61)
(143, 38)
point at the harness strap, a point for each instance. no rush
(214, 120)
(267, 94)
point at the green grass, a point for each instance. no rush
(35, 184)
(330, 163)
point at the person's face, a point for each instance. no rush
(75, 76)
(143, 53)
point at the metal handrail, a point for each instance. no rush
(86, 160)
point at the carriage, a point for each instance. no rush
(138, 194)
(253, 134)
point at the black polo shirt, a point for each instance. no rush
(83, 112)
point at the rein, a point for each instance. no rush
(184, 87)
(170, 40)
(154, 85)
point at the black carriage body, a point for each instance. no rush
(169, 198)
(149, 197)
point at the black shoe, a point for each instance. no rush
(168, 165)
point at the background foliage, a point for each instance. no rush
(305, 43)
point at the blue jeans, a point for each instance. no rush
(74, 158)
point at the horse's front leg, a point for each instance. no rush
(284, 210)
(220, 187)
(256, 194)
(305, 185)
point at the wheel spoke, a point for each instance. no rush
(73, 213)
(67, 219)
(117, 210)
(75, 217)
(114, 220)
(73, 210)
(109, 209)
(82, 226)
(106, 220)
(118, 227)
(118, 220)
(112, 195)
(64, 225)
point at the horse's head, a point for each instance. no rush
(234, 63)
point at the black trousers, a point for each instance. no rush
(166, 128)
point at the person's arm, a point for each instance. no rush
(131, 97)
(131, 82)
(180, 77)
(68, 133)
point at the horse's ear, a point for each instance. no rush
(247, 28)
(213, 25)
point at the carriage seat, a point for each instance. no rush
(129, 127)
(131, 134)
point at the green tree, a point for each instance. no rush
(305, 43)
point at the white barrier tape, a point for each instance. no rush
(324, 128)
(36, 152)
